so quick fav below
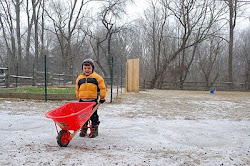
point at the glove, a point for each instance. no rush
(102, 101)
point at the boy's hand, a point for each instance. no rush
(102, 101)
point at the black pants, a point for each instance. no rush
(95, 117)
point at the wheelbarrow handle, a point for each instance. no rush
(93, 111)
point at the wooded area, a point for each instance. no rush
(178, 42)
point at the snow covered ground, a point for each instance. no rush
(152, 127)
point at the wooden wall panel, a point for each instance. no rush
(133, 71)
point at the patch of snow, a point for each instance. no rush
(149, 128)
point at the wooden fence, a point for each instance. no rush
(52, 79)
(62, 79)
(222, 86)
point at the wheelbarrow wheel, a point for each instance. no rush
(63, 138)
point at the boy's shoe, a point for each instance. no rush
(83, 132)
(94, 131)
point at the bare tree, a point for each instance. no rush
(233, 6)
(8, 30)
(207, 60)
(96, 45)
(110, 14)
(65, 21)
(243, 58)
(195, 19)
(42, 3)
(17, 4)
(36, 10)
(30, 21)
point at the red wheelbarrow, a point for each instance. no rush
(71, 116)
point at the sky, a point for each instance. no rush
(244, 21)
(136, 9)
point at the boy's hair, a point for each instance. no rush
(88, 62)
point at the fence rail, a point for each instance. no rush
(222, 86)
(63, 79)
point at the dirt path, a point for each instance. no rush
(149, 128)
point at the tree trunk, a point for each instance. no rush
(27, 49)
(231, 38)
(34, 5)
(98, 57)
(109, 52)
(19, 45)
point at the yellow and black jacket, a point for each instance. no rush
(88, 87)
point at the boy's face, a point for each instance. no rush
(87, 69)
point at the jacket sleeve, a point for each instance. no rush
(102, 88)
(77, 89)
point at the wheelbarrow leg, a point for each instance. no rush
(84, 129)
(92, 126)
(74, 133)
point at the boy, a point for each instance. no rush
(89, 85)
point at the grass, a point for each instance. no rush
(50, 90)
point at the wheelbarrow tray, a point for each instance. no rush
(71, 116)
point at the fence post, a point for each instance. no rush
(33, 75)
(7, 78)
(117, 86)
(121, 77)
(111, 78)
(59, 77)
(16, 73)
